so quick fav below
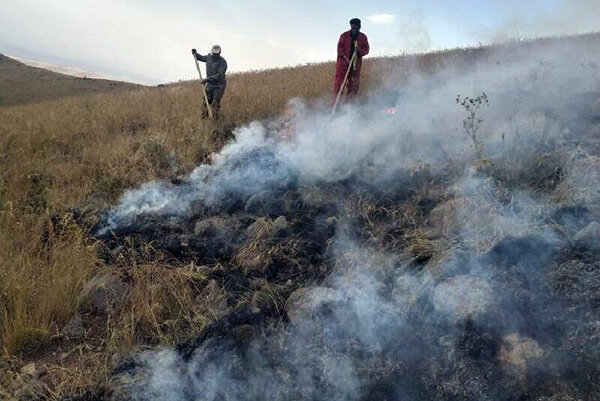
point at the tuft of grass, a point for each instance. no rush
(158, 156)
(43, 272)
(166, 306)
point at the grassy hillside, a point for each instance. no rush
(20, 84)
(62, 161)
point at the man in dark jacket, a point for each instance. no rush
(215, 81)
(350, 41)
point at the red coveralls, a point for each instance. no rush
(343, 58)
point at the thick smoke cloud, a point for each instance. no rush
(474, 324)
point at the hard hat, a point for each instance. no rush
(216, 49)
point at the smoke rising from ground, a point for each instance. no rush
(480, 321)
(413, 34)
(363, 139)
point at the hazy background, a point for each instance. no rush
(149, 41)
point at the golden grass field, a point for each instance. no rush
(84, 151)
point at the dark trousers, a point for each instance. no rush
(214, 94)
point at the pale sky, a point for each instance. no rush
(150, 41)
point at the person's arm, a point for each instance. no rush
(342, 48)
(198, 56)
(219, 76)
(363, 46)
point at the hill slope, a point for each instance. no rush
(20, 83)
(374, 246)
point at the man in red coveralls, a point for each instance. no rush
(350, 41)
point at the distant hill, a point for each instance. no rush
(20, 83)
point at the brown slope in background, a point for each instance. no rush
(20, 84)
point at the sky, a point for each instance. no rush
(149, 41)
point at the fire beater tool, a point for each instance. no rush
(337, 98)
(210, 113)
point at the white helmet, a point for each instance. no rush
(216, 49)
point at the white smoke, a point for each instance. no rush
(413, 33)
(425, 130)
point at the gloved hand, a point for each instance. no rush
(194, 51)
(204, 81)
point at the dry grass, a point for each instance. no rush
(41, 277)
(266, 247)
(166, 306)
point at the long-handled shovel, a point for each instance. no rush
(210, 113)
(337, 99)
